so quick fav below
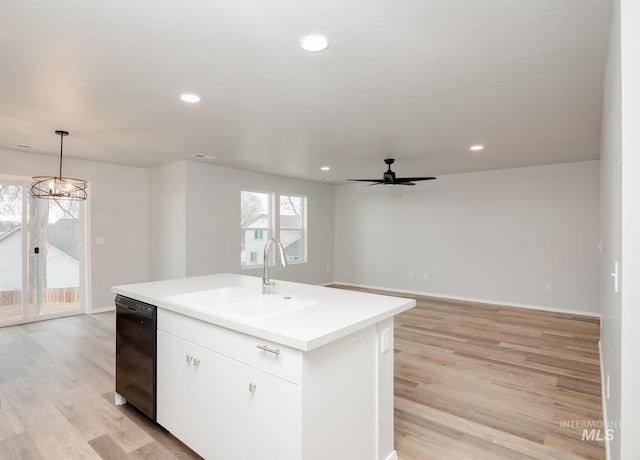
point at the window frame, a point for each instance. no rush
(274, 228)
(247, 263)
(302, 228)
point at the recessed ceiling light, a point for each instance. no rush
(203, 156)
(190, 98)
(475, 148)
(325, 168)
(314, 43)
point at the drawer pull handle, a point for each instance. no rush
(275, 351)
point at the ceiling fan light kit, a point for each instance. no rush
(59, 187)
(389, 177)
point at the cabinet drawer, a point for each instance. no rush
(275, 359)
(235, 345)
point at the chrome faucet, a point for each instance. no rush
(266, 282)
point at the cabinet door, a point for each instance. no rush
(175, 385)
(221, 407)
(275, 418)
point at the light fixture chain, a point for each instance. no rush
(61, 139)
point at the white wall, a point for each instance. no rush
(620, 230)
(630, 401)
(611, 231)
(212, 216)
(167, 221)
(498, 236)
(118, 214)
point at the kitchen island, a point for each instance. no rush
(305, 372)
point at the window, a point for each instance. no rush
(292, 227)
(258, 225)
(254, 224)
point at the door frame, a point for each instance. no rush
(84, 272)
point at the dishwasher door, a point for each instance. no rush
(136, 354)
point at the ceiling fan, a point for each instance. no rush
(389, 177)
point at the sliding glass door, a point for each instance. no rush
(11, 252)
(41, 255)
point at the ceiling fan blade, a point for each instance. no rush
(412, 179)
(389, 177)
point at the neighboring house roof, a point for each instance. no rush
(293, 248)
(8, 225)
(260, 221)
(9, 233)
(17, 229)
(64, 234)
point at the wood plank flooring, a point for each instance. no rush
(478, 381)
(57, 396)
(473, 381)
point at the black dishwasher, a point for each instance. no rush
(136, 354)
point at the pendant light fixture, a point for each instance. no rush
(58, 187)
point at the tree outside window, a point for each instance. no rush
(292, 227)
(254, 225)
(257, 226)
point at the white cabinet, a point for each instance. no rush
(224, 408)
(251, 399)
(175, 384)
(203, 398)
(275, 420)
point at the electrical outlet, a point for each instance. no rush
(547, 286)
(410, 274)
(425, 276)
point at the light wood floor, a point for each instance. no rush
(472, 382)
(477, 381)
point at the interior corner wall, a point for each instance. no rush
(498, 236)
(620, 230)
(167, 225)
(213, 222)
(117, 214)
(630, 78)
(611, 234)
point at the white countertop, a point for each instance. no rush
(336, 313)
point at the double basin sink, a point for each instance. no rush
(240, 304)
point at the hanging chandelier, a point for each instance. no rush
(58, 187)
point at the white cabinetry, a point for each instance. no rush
(213, 394)
(203, 398)
(275, 426)
(246, 398)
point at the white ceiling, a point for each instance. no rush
(418, 80)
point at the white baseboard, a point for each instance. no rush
(603, 395)
(102, 310)
(472, 299)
